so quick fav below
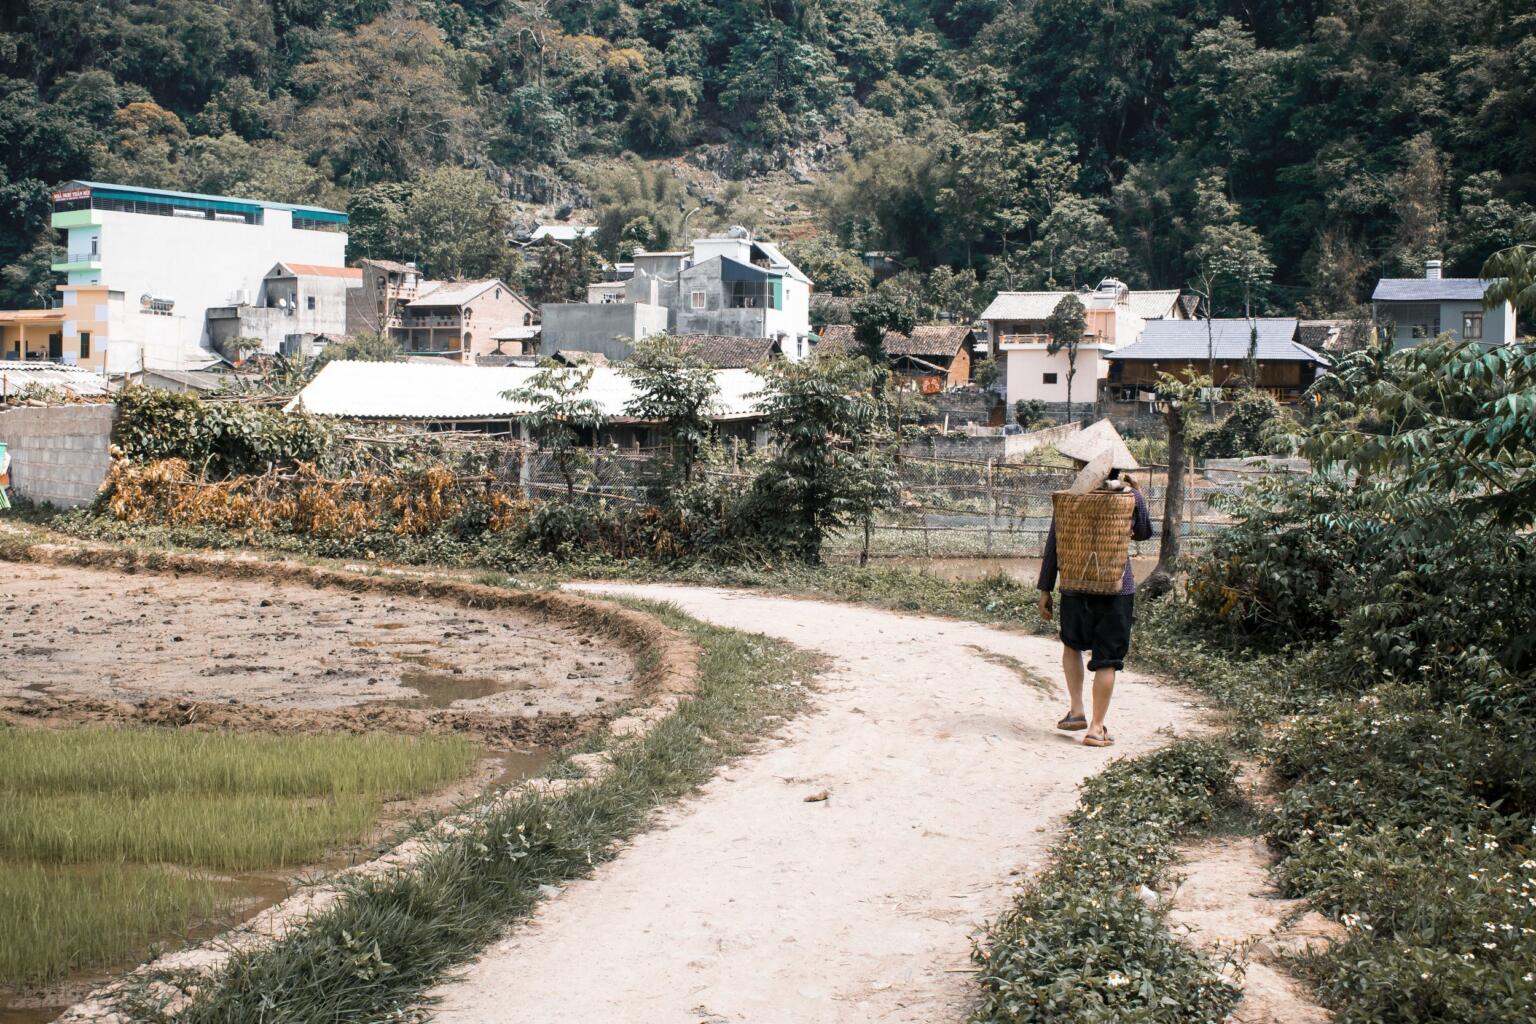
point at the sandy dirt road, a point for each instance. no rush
(749, 904)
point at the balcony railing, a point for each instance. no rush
(429, 320)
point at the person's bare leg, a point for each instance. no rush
(1072, 666)
(1103, 689)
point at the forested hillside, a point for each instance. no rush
(1305, 146)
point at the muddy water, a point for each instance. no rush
(248, 894)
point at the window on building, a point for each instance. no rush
(527, 319)
(1048, 378)
(1472, 327)
(696, 300)
(498, 293)
(309, 301)
(85, 344)
(1419, 321)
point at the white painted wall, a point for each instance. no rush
(197, 263)
(1027, 365)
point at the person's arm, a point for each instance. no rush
(1047, 581)
(1141, 518)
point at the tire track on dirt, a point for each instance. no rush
(748, 903)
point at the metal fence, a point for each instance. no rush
(946, 508)
(951, 509)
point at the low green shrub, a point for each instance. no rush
(1080, 943)
(1414, 824)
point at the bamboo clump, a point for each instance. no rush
(1093, 539)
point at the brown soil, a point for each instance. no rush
(103, 635)
(1226, 903)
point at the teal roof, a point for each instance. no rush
(129, 191)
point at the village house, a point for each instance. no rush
(299, 308)
(1115, 316)
(729, 286)
(933, 357)
(1413, 309)
(144, 266)
(1183, 348)
(459, 320)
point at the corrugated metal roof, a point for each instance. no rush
(1175, 340)
(1429, 289)
(1149, 305)
(18, 374)
(409, 391)
(202, 196)
(1153, 305)
(562, 232)
(451, 293)
(315, 270)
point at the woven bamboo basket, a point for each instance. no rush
(1093, 539)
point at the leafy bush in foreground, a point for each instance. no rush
(1079, 943)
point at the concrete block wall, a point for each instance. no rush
(61, 454)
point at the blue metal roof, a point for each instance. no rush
(129, 191)
(1430, 289)
(1177, 340)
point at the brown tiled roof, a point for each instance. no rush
(729, 351)
(928, 340)
(1328, 335)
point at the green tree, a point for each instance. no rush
(1513, 273)
(956, 292)
(1077, 245)
(640, 207)
(1065, 327)
(818, 412)
(455, 224)
(559, 411)
(833, 269)
(362, 347)
(674, 390)
(874, 316)
(565, 271)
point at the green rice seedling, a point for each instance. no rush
(144, 762)
(231, 833)
(58, 920)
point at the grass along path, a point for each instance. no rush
(942, 772)
(390, 936)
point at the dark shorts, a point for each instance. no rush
(1100, 623)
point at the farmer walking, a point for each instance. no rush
(1098, 602)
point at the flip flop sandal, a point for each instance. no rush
(1101, 740)
(1072, 723)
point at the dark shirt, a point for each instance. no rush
(1141, 529)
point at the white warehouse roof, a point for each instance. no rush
(449, 391)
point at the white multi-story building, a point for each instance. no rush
(731, 286)
(144, 266)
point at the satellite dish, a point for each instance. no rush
(282, 303)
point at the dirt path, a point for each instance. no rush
(750, 904)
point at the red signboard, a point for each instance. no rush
(65, 195)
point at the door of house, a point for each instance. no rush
(55, 346)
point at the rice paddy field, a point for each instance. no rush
(112, 840)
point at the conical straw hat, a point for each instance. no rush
(1099, 439)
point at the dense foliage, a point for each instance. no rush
(1287, 152)
(1081, 944)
